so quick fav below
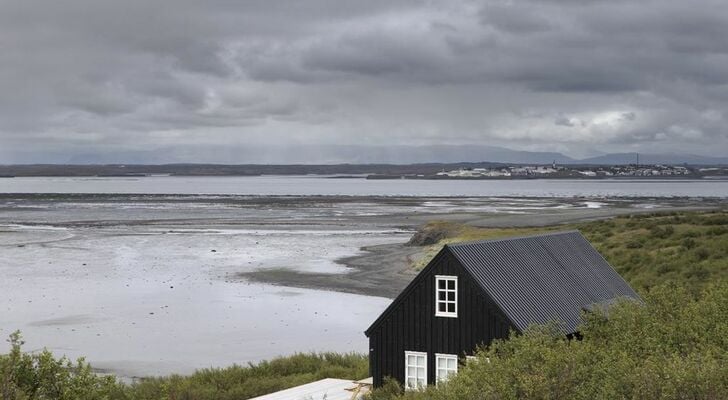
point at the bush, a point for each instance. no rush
(662, 232)
(25, 376)
(689, 243)
(244, 382)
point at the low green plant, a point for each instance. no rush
(243, 382)
(28, 376)
(31, 376)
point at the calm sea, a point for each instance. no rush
(317, 185)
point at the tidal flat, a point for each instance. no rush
(146, 285)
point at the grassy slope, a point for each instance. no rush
(647, 250)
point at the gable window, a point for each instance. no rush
(446, 365)
(415, 370)
(446, 296)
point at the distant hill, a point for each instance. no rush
(328, 154)
(312, 155)
(362, 154)
(631, 158)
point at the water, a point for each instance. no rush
(315, 185)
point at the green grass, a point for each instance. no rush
(646, 249)
(243, 382)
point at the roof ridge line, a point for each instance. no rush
(508, 238)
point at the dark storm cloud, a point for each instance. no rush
(84, 75)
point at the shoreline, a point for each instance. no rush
(384, 270)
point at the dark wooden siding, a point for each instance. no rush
(411, 324)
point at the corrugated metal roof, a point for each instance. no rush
(542, 278)
(325, 389)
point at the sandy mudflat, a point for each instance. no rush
(384, 270)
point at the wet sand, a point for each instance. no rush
(385, 270)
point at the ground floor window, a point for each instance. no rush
(415, 370)
(446, 365)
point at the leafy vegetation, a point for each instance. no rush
(26, 376)
(646, 249)
(239, 382)
(41, 376)
(674, 346)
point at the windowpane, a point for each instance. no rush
(446, 296)
(446, 365)
(415, 370)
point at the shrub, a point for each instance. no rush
(25, 376)
(244, 382)
(663, 232)
(689, 243)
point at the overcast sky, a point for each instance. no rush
(187, 77)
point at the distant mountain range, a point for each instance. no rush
(345, 154)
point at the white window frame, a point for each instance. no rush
(407, 376)
(446, 278)
(448, 371)
(469, 359)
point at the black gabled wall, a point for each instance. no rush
(410, 323)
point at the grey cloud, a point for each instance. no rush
(564, 121)
(85, 75)
(515, 20)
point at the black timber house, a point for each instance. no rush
(472, 293)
